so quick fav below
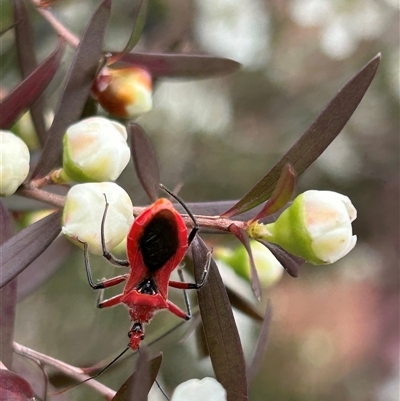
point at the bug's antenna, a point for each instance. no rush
(96, 375)
(158, 384)
(162, 390)
(182, 203)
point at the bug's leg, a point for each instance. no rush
(176, 310)
(104, 283)
(193, 286)
(106, 303)
(196, 227)
(106, 254)
(188, 286)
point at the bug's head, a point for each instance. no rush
(136, 335)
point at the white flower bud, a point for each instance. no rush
(269, 270)
(200, 390)
(124, 92)
(84, 210)
(316, 227)
(95, 149)
(14, 162)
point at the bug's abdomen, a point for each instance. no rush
(159, 240)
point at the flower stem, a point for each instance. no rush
(57, 25)
(69, 370)
(41, 195)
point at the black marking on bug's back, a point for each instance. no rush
(159, 240)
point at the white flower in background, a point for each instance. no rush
(84, 210)
(125, 92)
(235, 29)
(343, 24)
(14, 162)
(95, 149)
(316, 227)
(207, 389)
(269, 270)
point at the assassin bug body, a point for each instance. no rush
(156, 244)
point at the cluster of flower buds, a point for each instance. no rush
(14, 162)
(95, 152)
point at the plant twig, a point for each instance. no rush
(41, 195)
(69, 370)
(206, 222)
(57, 25)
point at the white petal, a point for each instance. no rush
(207, 389)
(14, 162)
(84, 209)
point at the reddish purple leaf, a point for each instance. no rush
(44, 267)
(24, 37)
(281, 195)
(23, 248)
(139, 21)
(77, 88)
(26, 93)
(262, 342)
(145, 161)
(317, 138)
(242, 304)
(14, 387)
(218, 207)
(8, 296)
(291, 263)
(222, 336)
(34, 372)
(242, 236)
(138, 385)
(180, 65)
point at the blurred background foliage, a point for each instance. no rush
(335, 329)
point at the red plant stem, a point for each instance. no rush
(57, 25)
(65, 368)
(41, 195)
(207, 222)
